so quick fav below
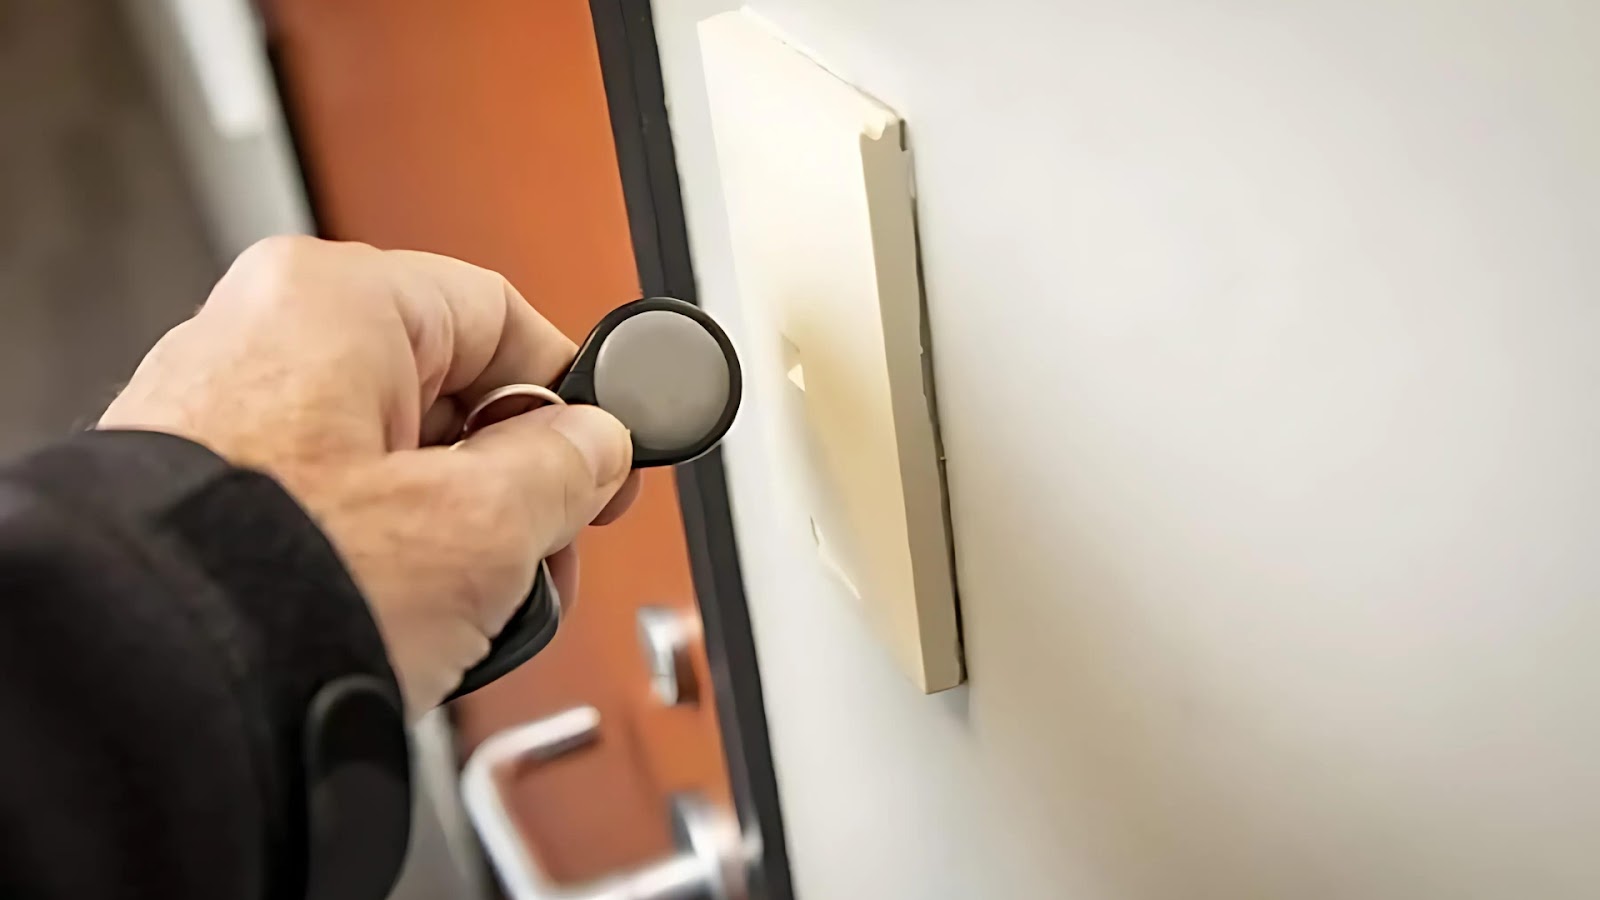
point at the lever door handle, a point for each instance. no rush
(710, 863)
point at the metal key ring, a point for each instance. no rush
(531, 391)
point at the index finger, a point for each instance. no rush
(470, 330)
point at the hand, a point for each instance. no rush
(340, 369)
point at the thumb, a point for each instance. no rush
(563, 462)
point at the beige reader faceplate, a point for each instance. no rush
(817, 182)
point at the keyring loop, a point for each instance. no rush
(531, 391)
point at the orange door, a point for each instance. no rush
(480, 130)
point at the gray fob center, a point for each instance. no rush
(664, 376)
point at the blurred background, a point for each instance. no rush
(143, 148)
(146, 142)
(103, 243)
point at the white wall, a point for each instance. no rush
(1265, 343)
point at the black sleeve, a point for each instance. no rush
(194, 700)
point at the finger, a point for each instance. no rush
(471, 331)
(399, 328)
(620, 503)
(562, 464)
(564, 572)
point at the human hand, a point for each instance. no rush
(340, 370)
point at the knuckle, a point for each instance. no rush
(281, 252)
(285, 269)
(269, 270)
(557, 495)
(500, 509)
(526, 508)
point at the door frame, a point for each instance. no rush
(630, 65)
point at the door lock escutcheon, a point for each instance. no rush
(667, 638)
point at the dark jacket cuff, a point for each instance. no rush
(310, 673)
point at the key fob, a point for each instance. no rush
(668, 372)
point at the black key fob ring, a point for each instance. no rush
(668, 372)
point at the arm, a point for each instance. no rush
(165, 621)
(213, 611)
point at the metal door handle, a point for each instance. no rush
(710, 863)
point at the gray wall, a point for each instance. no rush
(1265, 344)
(246, 179)
(101, 247)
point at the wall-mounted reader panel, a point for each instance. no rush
(817, 181)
